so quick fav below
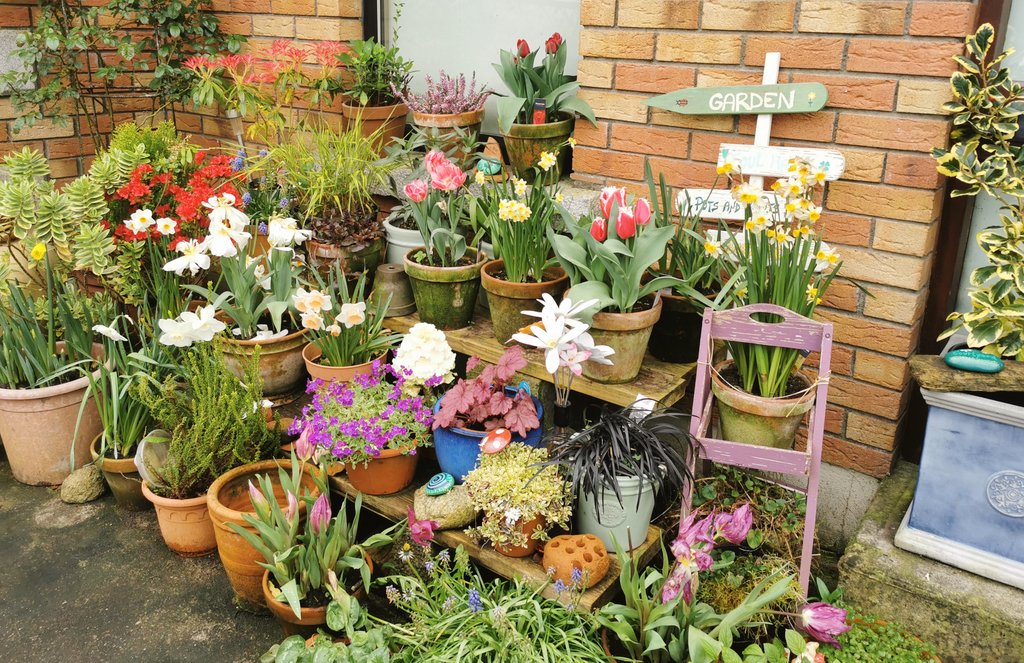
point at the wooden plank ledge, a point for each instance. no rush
(932, 373)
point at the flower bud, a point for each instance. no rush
(304, 448)
(642, 211)
(522, 47)
(599, 229)
(625, 224)
(320, 515)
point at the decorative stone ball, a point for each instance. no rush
(585, 552)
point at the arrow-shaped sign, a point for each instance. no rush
(744, 99)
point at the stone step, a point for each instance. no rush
(969, 619)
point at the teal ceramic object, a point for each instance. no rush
(975, 361)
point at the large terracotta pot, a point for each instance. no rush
(765, 422)
(281, 366)
(352, 260)
(676, 336)
(627, 334)
(311, 353)
(506, 300)
(445, 296)
(389, 473)
(469, 122)
(228, 502)
(184, 524)
(528, 528)
(306, 626)
(389, 120)
(122, 476)
(525, 142)
(37, 427)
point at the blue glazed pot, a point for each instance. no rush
(458, 449)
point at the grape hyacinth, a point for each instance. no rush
(475, 604)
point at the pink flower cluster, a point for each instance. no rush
(613, 201)
(444, 176)
(694, 543)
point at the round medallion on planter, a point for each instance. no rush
(525, 142)
(766, 422)
(122, 476)
(388, 120)
(390, 472)
(506, 300)
(311, 353)
(527, 527)
(228, 502)
(627, 334)
(445, 296)
(282, 368)
(184, 524)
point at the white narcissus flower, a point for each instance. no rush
(746, 193)
(140, 221)
(192, 258)
(166, 226)
(260, 272)
(312, 320)
(224, 240)
(263, 333)
(203, 323)
(222, 210)
(827, 258)
(286, 233)
(352, 314)
(311, 301)
(175, 333)
(109, 332)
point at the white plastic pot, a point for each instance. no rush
(400, 241)
(627, 523)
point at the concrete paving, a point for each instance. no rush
(91, 583)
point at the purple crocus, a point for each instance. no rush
(320, 515)
(823, 622)
(735, 528)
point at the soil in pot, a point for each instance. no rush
(228, 502)
(525, 142)
(506, 300)
(627, 334)
(527, 527)
(445, 296)
(311, 354)
(184, 524)
(389, 473)
(121, 476)
(751, 419)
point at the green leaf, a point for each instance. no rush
(508, 110)
(795, 642)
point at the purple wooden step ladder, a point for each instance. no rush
(795, 331)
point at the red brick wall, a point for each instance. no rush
(886, 65)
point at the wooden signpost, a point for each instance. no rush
(744, 99)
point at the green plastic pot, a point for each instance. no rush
(525, 142)
(445, 296)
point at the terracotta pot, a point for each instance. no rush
(392, 281)
(352, 260)
(306, 626)
(311, 353)
(531, 544)
(750, 419)
(389, 473)
(281, 366)
(184, 524)
(259, 245)
(676, 336)
(123, 478)
(38, 429)
(228, 502)
(388, 120)
(506, 300)
(88, 283)
(627, 334)
(445, 296)
(525, 142)
(469, 122)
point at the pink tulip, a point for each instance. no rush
(737, 526)
(610, 195)
(421, 531)
(625, 225)
(599, 229)
(256, 496)
(447, 177)
(823, 622)
(320, 515)
(416, 191)
(681, 580)
(304, 449)
(292, 510)
(642, 211)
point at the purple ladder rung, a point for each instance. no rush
(755, 457)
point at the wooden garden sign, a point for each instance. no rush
(744, 99)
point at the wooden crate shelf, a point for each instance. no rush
(659, 380)
(395, 507)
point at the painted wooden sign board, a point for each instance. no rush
(774, 161)
(719, 204)
(744, 99)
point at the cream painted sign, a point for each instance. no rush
(774, 161)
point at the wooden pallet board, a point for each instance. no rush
(659, 380)
(395, 507)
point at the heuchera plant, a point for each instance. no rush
(483, 403)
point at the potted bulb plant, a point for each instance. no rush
(606, 261)
(371, 425)
(517, 217)
(778, 258)
(444, 272)
(447, 103)
(472, 408)
(519, 503)
(378, 76)
(539, 113)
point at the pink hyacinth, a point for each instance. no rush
(823, 622)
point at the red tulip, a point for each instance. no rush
(524, 48)
(599, 229)
(553, 43)
(642, 211)
(625, 225)
(609, 195)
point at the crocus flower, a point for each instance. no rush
(642, 211)
(599, 229)
(611, 195)
(421, 531)
(416, 191)
(823, 622)
(625, 224)
(735, 529)
(522, 47)
(320, 515)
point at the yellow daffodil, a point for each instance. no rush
(746, 193)
(726, 167)
(572, 142)
(812, 295)
(559, 197)
(38, 252)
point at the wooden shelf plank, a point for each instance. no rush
(659, 380)
(395, 507)
(931, 372)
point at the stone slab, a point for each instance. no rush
(931, 372)
(969, 618)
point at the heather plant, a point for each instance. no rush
(356, 421)
(484, 402)
(446, 96)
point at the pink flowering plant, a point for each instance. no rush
(356, 421)
(448, 95)
(440, 208)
